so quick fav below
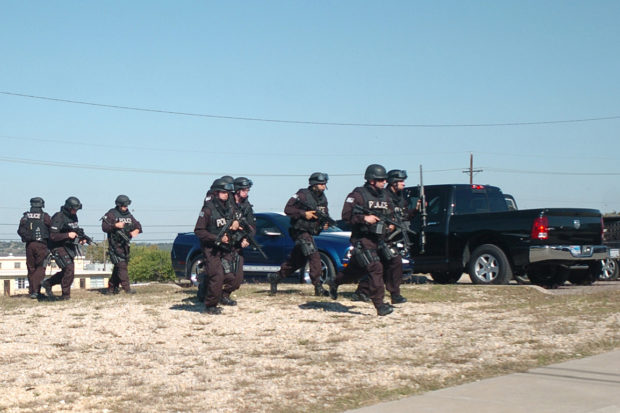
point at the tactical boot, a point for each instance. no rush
(333, 290)
(398, 299)
(227, 301)
(384, 309)
(360, 297)
(48, 289)
(34, 296)
(273, 281)
(212, 310)
(319, 291)
(64, 297)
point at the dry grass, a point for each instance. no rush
(155, 351)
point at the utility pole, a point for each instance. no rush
(471, 169)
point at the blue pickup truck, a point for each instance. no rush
(273, 237)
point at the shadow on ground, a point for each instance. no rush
(332, 306)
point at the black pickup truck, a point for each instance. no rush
(469, 228)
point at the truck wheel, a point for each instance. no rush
(608, 270)
(547, 275)
(489, 265)
(446, 277)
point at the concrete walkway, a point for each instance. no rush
(591, 385)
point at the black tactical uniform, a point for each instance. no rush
(368, 240)
(34, 230)
(63, 247)
(302, 229)
(119, 241)
(393, 267)
(221, 260)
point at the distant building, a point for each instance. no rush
(14, 274)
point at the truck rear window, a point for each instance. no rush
(469, 200)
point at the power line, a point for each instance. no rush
(306, 122)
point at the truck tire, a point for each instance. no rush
(608, 270)
(547, 275)
(489, 265)
(585, 276)
(446, 277)
(195, 267)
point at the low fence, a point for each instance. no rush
(90, 280)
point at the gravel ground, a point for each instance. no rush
(156, 351)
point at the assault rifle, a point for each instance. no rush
(423, 214)
(83, 237)
(245, 231)
(120, 232)
(401, 227)
(322, 216)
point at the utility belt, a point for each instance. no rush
(366, 256)
(115, 257)
(230, 265)
(62, 257)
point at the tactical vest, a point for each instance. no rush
(35, 228)
(378, 204)
(245, 208)
(61, 222)
(120, 217)
(219, 217)
(400, 204)
(312, 204)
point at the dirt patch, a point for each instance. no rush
(155, 351)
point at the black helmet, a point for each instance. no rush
(222, 185)
(122, 200)
(242, 183)
(318, 178)
(396, 175)
(73, 203)
(375, 172)
(37, 202)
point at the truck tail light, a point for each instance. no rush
(540, 229)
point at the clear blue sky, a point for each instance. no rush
(434, 64)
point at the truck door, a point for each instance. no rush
(436, 223)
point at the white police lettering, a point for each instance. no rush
(349, 200)
(34, 215)
(125, 220)
(321, 208)
(73, 225)
(377, 205)
(220, 222)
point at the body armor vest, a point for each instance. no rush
(34, 227)
(378, 204)
(63, 222)
(219, 217)
(314, 226)
(127, 218)
(400, 205)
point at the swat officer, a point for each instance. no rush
(34, 229)
(214, 228)
(121, 226)
(393, 267)
(64, 230)
(362, 209)
(302, 208)
(244, 213)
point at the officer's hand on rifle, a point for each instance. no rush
(326, 226)
(234, 226)
(134, 233)
(72, 235)
(119, 224)
(391, 227)
(83, 241)
(311, 215)
(225, 239)
(371, 219)
(244, 243)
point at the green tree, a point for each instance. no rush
(149, 263)
(97, 253)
